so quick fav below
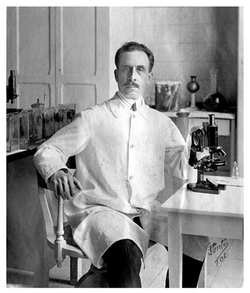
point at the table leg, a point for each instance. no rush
(175, 248)
(232, 145)
(203, 275)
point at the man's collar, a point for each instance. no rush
(129, 102)
(126, 101)
(118, 107)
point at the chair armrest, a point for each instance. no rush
(60, 246)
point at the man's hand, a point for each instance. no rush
(64, 184)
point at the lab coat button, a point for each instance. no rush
(132, 146)
(131, 177)
(133, 116)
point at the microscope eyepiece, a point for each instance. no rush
(199, 133)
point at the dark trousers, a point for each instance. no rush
(123, 260)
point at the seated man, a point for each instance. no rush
(122, 148)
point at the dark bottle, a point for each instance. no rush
(12, 85)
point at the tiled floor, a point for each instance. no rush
(224, 267)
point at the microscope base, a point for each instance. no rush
(206, 188)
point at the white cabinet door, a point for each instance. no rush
(61, 54)
(30, 52)
(82, 55)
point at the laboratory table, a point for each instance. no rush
(193, 213)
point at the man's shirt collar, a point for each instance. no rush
(129, 102)
(118, 106)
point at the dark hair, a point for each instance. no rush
(134, 46)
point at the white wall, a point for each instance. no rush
(191, 41)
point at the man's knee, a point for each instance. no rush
(123, 259)
(124, 250)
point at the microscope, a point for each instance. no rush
(206, 137)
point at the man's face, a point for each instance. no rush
(132, 74)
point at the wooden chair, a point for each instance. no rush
(60, 240)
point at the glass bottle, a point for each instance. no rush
(12, 86)
(235, 171)
(193, 87)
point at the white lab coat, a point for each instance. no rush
(121, 156)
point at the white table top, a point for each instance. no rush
(15, 152)
(203, 114)
(229, 202)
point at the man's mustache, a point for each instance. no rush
(131, 83)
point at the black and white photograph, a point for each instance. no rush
(125, 146)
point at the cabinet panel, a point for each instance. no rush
(78, 41)
(33, 41)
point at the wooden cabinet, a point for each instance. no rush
(59, 54)
(27, 248)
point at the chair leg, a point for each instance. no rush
(75, 270)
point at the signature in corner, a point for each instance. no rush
(214, 247)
